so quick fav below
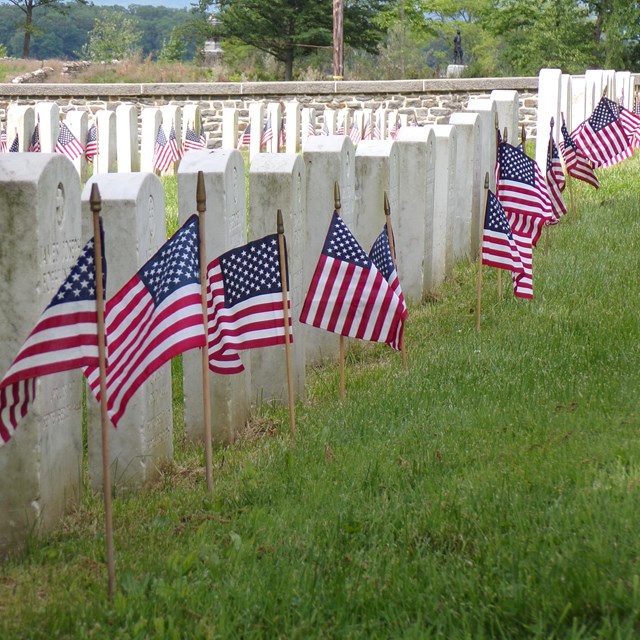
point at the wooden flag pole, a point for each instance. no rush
(570, 184)
(337, 205)
(479, 284)
(392, 248)
(95, 202)
(287, 336)
(497, 124)
(523, 139)
(201, 207)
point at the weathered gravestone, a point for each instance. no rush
(486, 109)
(20, 121)
(328, 160)
(226, 228)
(151, 119)
(106, 158)
(470, 185)
(413, 220)
(133, 214)
(376, 173)
(577, 103)
(128, 153)
(41, 466)
(508, 109)
(277, 181)
(549, 91)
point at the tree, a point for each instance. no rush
(292, 29)
(27, 7)
(113, 37)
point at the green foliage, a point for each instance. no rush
(490, 492)
(174, 49)
(3, 51)
(113, 37)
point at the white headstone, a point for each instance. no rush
(328, 160)
(105, 159)
(330, 116)
(256, 120)
(412, 223)
(548, 107)
(127, 138)
(278, 181)
(48, 115)
(41, 466)
(308, 122)
(566, 102)
(292, 127)
(623, 86)
(172, 116)
(376, 173)
(470, 184)
(274, 118)
(151, 121)
(381, 121)
(486, 109)
(133, 213)
(508, 108)
(577, 103)
(230, 133)
(446, 196)
(367, 117)
(226, 228)
(21, 121)
(593, 90)
(609, 84)
(77, 121)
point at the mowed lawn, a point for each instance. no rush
(493, 491)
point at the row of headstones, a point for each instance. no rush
(433, 177)
(576, 97)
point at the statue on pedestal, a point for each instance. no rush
(457, 48)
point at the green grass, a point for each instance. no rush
(492, 492)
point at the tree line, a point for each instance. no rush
(384, 39)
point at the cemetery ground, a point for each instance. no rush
(491, 492)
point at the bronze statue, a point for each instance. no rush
(457, 48)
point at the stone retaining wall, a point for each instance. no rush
(431, 101)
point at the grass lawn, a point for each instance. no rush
(491, 492)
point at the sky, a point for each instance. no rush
(171, 4)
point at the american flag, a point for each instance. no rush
(245, 136)
(203, 137)
(244, 303)
(176, 150)
(154, 317)
(393, 131)
(367, 134)
(377, 129)
(3, 141)
(522, 190)
(64, 338)
(382, 259)
(15, 145)
(192, 140)
(164, 153)
(267, 133)
(34, 145)
(555, 179)
(577, 164)
(340, 130)
(91, 150)
(631, 124)
(602, 137)
(68, 144)
(354, 133)
(282, 139)
(311, 130)
(325, 129)
(348, 295)
(499, 249)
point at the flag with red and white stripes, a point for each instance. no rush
(499, 249)
(244, 303)
(577, 164)
(154, 317)
(348, 295)
(555, 179)
(68, 144)
(64, 338)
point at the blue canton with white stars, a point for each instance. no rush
(251, 270)
(80, 284)
(341, 245)
(380, 254)
(604, 114)
(176, 264)
(515, 165)
(495, 218)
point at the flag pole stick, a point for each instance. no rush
(337, 205)
(201, 207)
(479, 284)
(497, 125)
(392, 248)
(549, 152)
(287, 336)
(95, 202)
